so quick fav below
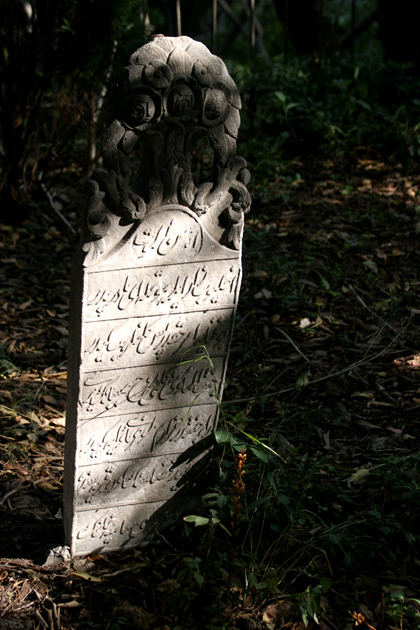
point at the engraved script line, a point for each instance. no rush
(158, 337)
(142, 390)
(135, 430)
(93, 486)
(197, 286)
(164, 240)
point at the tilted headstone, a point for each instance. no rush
(154, 286)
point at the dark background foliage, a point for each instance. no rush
(321, 71)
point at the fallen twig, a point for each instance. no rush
(293, 344)
(359, 299)
(41, 619)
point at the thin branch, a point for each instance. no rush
(57, 211)
(371, 311)
(294, 345)
(239, 23)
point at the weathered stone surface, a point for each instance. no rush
(155, 285)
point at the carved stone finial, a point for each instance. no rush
(172, 92)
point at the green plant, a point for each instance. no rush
(310, 602)
(400, 607)
(336, 105)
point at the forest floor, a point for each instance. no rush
(325, 365)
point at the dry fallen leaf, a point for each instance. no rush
(87, 576)
(359, 475)
(274, 611)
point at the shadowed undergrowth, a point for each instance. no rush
(320, 529)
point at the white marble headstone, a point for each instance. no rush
(155, 285)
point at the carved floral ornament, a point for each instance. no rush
(172, 92)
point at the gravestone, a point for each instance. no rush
(155, 285)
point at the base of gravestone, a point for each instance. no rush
(58, 555)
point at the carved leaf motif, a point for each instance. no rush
(155, 194)
(111, 136)
(149, 51)
(232, 122)
(95, 221)
(180, 62)
(241, 196)
(170, 177)
(197, 50)
(218, 140)
(93, 250)
(233, 234)
(129, 141)
(187, 189)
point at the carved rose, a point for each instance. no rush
(157, 74)
(205, 72)
(183, 100)
(141, 110)
(216, 106)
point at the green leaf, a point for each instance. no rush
(222, 436)
(238, 445)
(87, 576)
(281, 96)
(375, 513)
(365, 105)
(291, 106)
(7, 367)
(409, 537)
(262, 455)
(197, 520)
(393, 588)
(398, 595)
(201, 520)
(325, 584)
(257, 503)
(210, 495)
(225, 528)
(252, 580)
(260, 443)
(199, 579)
(316, 600)
(324, 283)
(221, 501)
(371, 264)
